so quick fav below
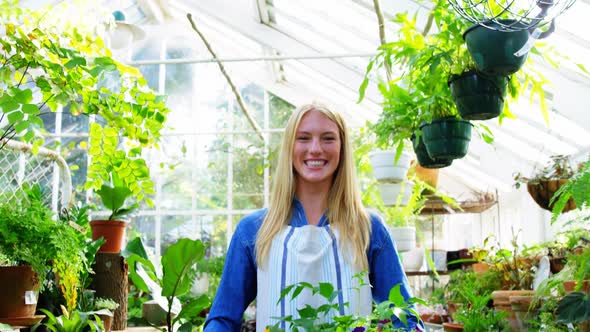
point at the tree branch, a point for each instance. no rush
(45, 102)
(382, 36)
(229, 81)
(24, 74)
(428, 24)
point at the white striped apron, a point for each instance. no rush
(307, 254)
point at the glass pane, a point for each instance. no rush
(144, 227)
(253, 97)
(210, 167)
(280, 111)
(248, 186)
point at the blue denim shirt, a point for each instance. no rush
(238, 282)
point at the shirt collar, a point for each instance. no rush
(299, 218)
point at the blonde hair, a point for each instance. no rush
(345, 210)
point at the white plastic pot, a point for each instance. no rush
(412, 260)
(391, 191)
(404, 238)
(384, 168)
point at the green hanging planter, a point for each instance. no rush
(424, 159)
(493, 50)
(478, 96)
(447, 138)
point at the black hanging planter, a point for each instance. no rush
(493, 50)
(424, 159)
(447, 138)
(478, 96)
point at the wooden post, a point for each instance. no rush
(110, 281)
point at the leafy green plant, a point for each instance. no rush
(179, 269)
(114, 197)
(314, 318)
(578, 188)
(48, 65)
(425, 60)
(30, 236)
(476, 315)
(102, 303)
(213, 268)
(70, 322)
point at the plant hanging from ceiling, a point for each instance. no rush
(45, 68)
(422, 65)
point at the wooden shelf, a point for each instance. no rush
(424, 273)
(435, 205)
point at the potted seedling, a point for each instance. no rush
(112, 229)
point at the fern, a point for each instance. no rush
(578, 188)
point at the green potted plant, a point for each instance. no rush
(112, 229)
(543, 185)
(105, 309)
(31, 244)
(179, 271)
(419, 105)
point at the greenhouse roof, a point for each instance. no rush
(324, 47)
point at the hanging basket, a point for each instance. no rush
(447, 138)
(543, 191)
(424, 159)
(493, 50)
(478, 97)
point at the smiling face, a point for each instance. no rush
(316, 149)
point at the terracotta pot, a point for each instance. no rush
(432, 318)
(427, 175)
(452, 307)
(452, 327)
(570, 286)
(112, 231)
(19, 289)
(556, 264)
(107, 322)
(543, 191)
(502, 302)
(480, 268)
(521, 305)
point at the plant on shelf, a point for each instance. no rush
(32, 242)
(50, 65)
(544, 184)
(113, 198)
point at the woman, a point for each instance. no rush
(315, 230)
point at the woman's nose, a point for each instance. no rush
(315, 145)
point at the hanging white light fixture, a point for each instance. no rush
(124, 34)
